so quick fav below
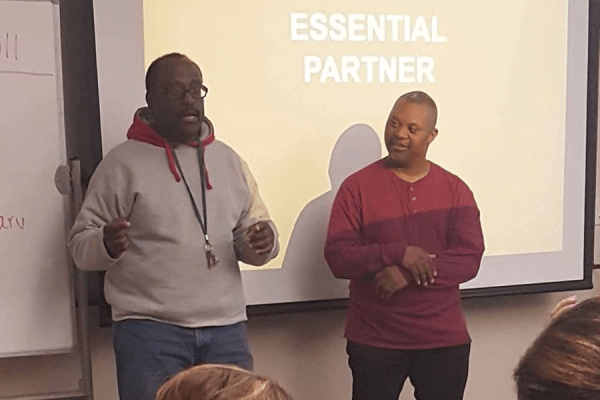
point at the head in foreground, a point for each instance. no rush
(220, 382)
(564, 361)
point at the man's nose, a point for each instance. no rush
(401, 132)
(187, 97)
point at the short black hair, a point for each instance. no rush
(152, 69)
(420, 97)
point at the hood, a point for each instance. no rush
(142, 131)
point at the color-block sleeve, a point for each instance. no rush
(461, 260)
(348, 257)
(105, 201)
(255, 211)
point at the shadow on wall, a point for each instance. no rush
(357, 147)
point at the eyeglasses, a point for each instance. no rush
(177, 92)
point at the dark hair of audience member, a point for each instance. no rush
(564, 361)
(220, 382)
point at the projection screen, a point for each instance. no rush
(302, 89)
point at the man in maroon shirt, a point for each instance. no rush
(406, 233)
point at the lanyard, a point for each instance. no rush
(211, 258)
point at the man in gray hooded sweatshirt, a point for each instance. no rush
(168, 214)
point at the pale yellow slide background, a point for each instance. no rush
(500, 88)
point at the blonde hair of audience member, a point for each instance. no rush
(220, 382)
(564, 361)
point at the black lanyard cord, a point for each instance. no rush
(202, 221)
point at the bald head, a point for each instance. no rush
(154, 70)
(418, 97)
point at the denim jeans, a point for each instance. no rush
(148, 352)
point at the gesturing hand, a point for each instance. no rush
(389, 280)
(563, 306)
(261, 237)
(420, 265)
(115, 237)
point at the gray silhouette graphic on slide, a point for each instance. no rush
(357, 147)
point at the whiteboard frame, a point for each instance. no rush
(66, 203)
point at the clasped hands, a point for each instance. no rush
(417, 261)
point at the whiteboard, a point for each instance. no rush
(36, 306)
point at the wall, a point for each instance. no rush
(305, 351)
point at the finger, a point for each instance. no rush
(382, 277)
(123, 247)
(421, 267)
(263, 247)
(266, 250)
(383, 291)
(118, 245)
(260, 230)
(262, 243)
(114, 238)
(428, 268)
(431, 273)
(122, 222)
(116, 226)
(415, 273)
(563, 306)
(124, 241)
(426, 274)
(115, 235)
(389, 292)
(257, 236)
(260, 225)
(381, 280)
(252, 229)
(432, 256)
(562, 310)
(115, 249)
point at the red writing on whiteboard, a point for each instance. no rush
(12, 222)
(9, 46)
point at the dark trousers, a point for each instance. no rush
(436, 374)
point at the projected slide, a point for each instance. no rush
(302, 90)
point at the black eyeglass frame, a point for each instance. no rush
(177, 92)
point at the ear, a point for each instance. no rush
(148, 99)
(432, 135)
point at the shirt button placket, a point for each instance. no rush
(413, 199)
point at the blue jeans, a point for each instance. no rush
(148, 352)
